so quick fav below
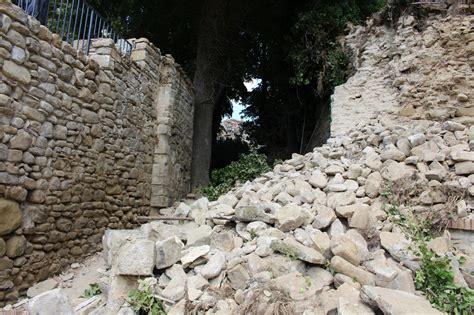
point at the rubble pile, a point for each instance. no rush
(311, 237)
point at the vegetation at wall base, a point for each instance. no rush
(92, 290)
(435, 277)
(248, 167)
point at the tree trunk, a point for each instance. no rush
(206, 79)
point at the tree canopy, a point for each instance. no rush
(291, 45)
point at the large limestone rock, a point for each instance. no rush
(399, 247)
(296, 285)
(214, 266)
(50, 302)
(360, 275)
(136, 258)
(291, 217)
(10, 216)
(113, 240)
(396, 302)
(293, 248)
(344, 247)
(168, 252)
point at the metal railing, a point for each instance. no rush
(75, 21)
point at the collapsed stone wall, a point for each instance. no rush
(78, 137)
(419, 70)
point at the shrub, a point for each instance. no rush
(435, 276)
(248, 167)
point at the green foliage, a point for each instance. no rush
(144, 300)
(435, 277)
(92, 290)
(316, 56)
(436, 280)
(248, 167)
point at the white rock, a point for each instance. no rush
(136, 258)
(50, 302)
(318, 180)
(193, 253)
(396, 301)
(168, 252)
(291, 217)
(214, 266)
(198, 236)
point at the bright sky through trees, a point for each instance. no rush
(238, 107)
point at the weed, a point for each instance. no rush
(92, 290)
(435, 277)
(436, 280)
(144, 300)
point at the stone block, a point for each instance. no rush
(50, 302)
(136, 258)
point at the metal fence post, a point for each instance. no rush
(43, 11)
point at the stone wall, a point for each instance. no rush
(419, 70)
(172, 167)
(80, 138)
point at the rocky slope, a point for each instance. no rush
(314, 236)
(322, 233)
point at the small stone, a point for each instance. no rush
(214, 266)
(254, 213)
(193, 253)
(373, 184)
(16, 246)
(321, 241)
(198, 236)
(320, 276)
(318, 180)
(290, 217)
(393, 154)
(238, 277)
(324, 217)
(293, 248)
(396, 171)
(462, 97)
(341, 265)
(453, 126)
(175, 290)
(41, 287)
(168, 252)
(344, 247)
(363, 219)
(334, 169)
(5, 263)
(439, 245)
(461, 156)
(407, 111)
(10, 216)
(3, 247)
(295, 285)
(16, 72)
(417, 139)
(22, 140)
(348, 211)
(398, 246)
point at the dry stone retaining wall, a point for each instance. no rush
(80, 138)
